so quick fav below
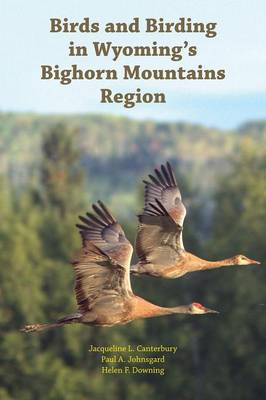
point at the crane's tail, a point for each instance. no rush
(69, 319)
(134, 269)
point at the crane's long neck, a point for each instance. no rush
(176, 310)
(145, 309)
(201, 264)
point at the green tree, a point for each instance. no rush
(61, 175)
(238, 227)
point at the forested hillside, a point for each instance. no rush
(51, 169)
(115, 151)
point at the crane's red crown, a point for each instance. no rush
(198, 305)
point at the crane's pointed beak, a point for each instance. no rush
(209, 311)
(254, 261)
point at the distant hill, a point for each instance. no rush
(117, 152)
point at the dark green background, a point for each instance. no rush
(52, 168)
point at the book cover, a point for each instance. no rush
(132, 200)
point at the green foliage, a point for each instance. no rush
(239, 227)
(222, 178)
(61, 176)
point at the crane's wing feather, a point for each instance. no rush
(159, 237)
(102, 267)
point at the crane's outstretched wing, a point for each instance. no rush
(102, 267)
(159, 237)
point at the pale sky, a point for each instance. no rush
(239, 47)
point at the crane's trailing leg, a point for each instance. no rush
(69, 319)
